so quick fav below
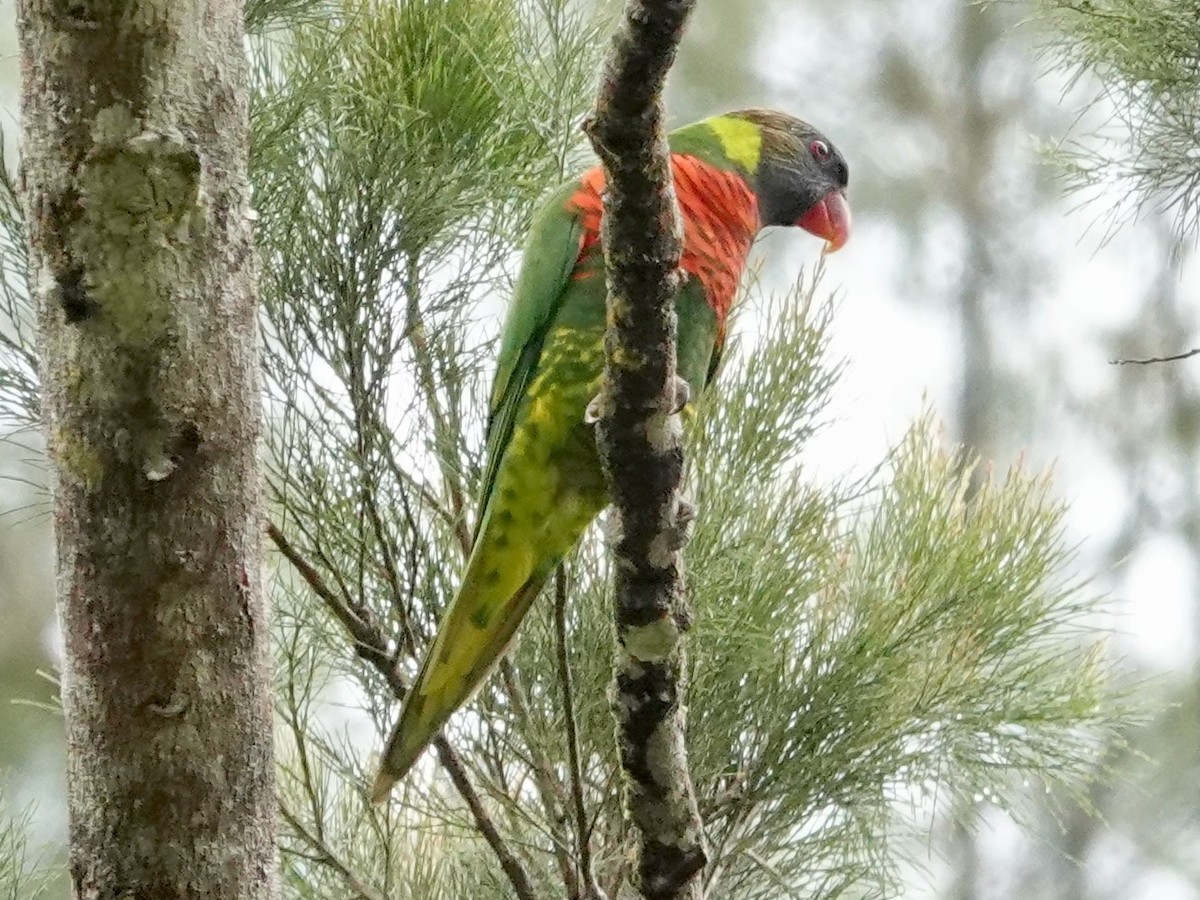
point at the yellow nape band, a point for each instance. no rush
(741, 140)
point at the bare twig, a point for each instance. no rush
(358, 620)
(415, 329)
(371, 646)
(550, 790)
(583, 835)
(324, 855)
(1150, 360)
(296, 704)
(640, 446)
(508, 861)
(390, 571)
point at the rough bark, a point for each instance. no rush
(640, 445)
(134, 167)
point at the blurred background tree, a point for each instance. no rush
(967, 281)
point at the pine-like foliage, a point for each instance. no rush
(1146, 56)
(21, 878)
(860, 649)
(18, 360)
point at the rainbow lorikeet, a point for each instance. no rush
(734, 175)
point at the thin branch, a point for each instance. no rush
(427, 496)
(324, 855)
(1150, 360)
(508, 861)
(390, 572)
(371, 646)
(295, 714)
(553, 798)
(415, 330)
(358, 620)
(641, 447)
(583, 835)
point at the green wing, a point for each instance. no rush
(550, 255)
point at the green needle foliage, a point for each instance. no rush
(862, 651)
(20, 876)
(1146, 56)
(18, 360)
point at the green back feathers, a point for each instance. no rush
(550, 255)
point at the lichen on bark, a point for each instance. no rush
(640, 444)
(134, 146)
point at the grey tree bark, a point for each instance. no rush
(134, 120)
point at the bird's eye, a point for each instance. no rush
(819, 150)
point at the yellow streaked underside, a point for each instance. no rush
(548, 488)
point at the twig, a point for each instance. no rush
(368, 639)
(641, 448)
(294, 716)
(326, 856)
(415, 330)
(1150, 360)
(508, 861)
(549, 789)
(371, 646)
(390, 572)
(583, 835)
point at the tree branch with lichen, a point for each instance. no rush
(640, 444)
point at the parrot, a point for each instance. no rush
(734, 174)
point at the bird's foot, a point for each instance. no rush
(599, 407)
(685, 515)
(683, 395)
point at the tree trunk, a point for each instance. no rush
(134, 155)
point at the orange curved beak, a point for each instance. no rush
(829, 219)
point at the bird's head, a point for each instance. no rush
(798, 174)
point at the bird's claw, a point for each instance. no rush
(683, 395)
(685, 515)
(599, 407)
